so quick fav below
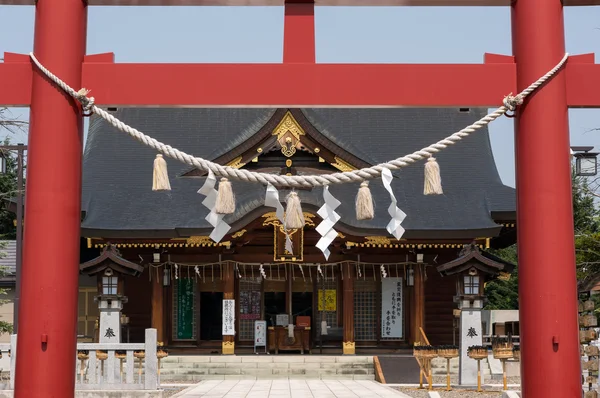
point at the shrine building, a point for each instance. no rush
(374, 291)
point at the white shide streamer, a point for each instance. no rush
(272, 200)
(395, 225)
(329, 217)
(220, 227)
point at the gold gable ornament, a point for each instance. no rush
(288, 133)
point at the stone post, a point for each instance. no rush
(110, 307)
(470, 334)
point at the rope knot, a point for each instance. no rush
(512, 101)
(87, 103)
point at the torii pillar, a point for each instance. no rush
(52, 207)
(550, 363)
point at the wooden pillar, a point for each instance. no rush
(158, 320)
(550, 361)
(348, 345)
(228, 294)
(47, 343)
(418, 303)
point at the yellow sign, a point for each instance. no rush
(330, 300)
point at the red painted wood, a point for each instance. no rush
(48, 304)
(547, 281)
(15, 80)
(498, 72)
(299, 32)
(364, 85)
(343, 3)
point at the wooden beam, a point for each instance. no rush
(348, 344)
(342, 3)
(157, 304)
(344, 85)
(583, 73)
(418, 301)
(15, 80)
(454, 85)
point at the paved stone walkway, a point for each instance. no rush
(291, 389)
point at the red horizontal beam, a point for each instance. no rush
(583, 80)
(344, 3)
(15, 80)
(273, 85)
(362, 85)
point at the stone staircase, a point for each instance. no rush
(256, 367)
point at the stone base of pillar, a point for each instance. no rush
(228, 348)
(349, 348)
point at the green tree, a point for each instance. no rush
(587, 229)
(8, 190)
(501, 294)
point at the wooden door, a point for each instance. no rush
(87, 314)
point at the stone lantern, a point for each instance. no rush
(472, 269)
(110, 268)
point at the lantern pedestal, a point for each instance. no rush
(470, 335)
(110, 307)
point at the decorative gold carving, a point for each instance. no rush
(288, 163)
(259, 150)
(236, 163)
(228, 348)
(341, 235)
(271, 219)
(342, 165)
(377, 240)
(317, 150)
(176, 242)
(288, 133)
(349, 348)
(321, 160)
(199, 240)
(239, 233)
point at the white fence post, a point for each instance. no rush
(13, 360)
(151, 371)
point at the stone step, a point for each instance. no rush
(283, 365)
(197, 378)
(267, 358)
(276, 366)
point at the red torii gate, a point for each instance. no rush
(548, 296)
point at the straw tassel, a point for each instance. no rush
(160, 177)
(225, 199)
(433, 180)
(294, 218)
(364, 203)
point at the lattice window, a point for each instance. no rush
(250, 307)
(330, 284)
(365, 310)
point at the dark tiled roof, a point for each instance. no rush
(118, 199)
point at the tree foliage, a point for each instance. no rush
(504, 295)
(587, 229)
(586, 221)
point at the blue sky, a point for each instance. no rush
(344, 34)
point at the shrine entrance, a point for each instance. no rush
(53, 198)
(211, 316)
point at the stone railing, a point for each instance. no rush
(106, 366)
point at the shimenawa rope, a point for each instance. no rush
(510, 103)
